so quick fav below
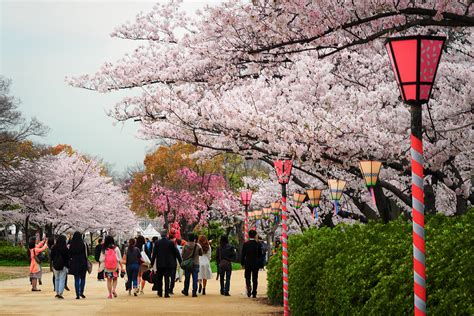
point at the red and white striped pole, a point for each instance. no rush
(283, 171)
(284, 247)
(246, 224)
(418, 206)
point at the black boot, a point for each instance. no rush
(200, 288)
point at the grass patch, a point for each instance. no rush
(16, 263)
(235, 266)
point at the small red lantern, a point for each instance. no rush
(283, 170)
(415, 62)
(245, 197)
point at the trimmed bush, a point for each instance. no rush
(367, 269)
(9, 252)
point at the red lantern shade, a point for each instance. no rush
(283, 170)
(415, 62)
(245, 197)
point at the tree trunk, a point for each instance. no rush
(461, 205)
(27, 229)
(17, 231)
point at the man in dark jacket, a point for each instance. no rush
(165, 254)
(97, 250)
(251, 253)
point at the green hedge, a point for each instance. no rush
(367, 269)
(9, 252)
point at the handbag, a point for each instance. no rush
(187, 264)
(145, 259)
(89, 263)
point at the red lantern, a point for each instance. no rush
(415, 62)
(245, 197)
(283, 170)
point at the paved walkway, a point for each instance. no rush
(16, 298)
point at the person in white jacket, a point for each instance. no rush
(205, 272)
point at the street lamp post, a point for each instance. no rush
(245, 198)
(370, 171)
(336, 187)
(314, 196)
(283, 172)
(415, 61)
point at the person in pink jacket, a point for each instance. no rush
(35, 267)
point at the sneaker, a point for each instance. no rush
(115, 294)
(56, 296)
(195, 295)
(78, 297)
(61, 297)
(83, 296)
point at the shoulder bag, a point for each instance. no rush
(187, 264)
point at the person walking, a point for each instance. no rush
(205, 272)
(251, 253)
(165, 255)
(34, 250)
(60, 263)
(179, 271)
(141, 244)
(98, 248)
(78, 263)
(225, 254)
(132, 258)
(192, 250)
(110, 263)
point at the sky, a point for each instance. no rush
(42, 42)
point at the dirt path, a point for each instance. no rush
(16, 298)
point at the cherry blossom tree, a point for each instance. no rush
(248, 78)
(195, 201)
(70, 193)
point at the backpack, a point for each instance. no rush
(58, 261)
(110, 259)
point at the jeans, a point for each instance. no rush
(79, 284)
(225, 275)
(132, 273)
(251, 274)
(187, 276)
(60, 280)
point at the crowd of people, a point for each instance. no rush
(161, 261)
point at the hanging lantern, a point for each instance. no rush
(298, 199)
(370, 171)
(276, 209)
(245, 197)
(415, 62)
(267, 212)
(336, 187)
(314, 196)
(283, 170)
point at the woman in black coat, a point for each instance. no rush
(78, 263)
